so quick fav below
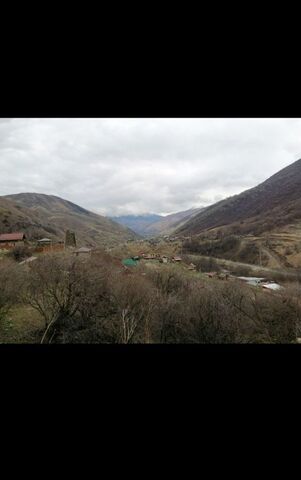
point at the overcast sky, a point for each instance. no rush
(122, 166)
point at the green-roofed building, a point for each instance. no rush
(129, 262)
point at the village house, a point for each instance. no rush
(10, 240)
(149, 256)
(271, 286)
(254, 281)
(82, 252)
(44, 241)
(129, 262)
(211, 274)
(163, 259)
(223, 276)
(176, 259)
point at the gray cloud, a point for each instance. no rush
(119, 166)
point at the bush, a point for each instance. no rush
(169, 280)
(207, 265)
(69, 294)
(216, 248)
(10, 286)
(242, 271)
(20, 252)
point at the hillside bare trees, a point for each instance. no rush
(65, 292)
(96, 301)
(10, 285)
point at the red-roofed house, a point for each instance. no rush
(8, 240)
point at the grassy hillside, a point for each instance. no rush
(15, 217)
(272, 204)
(47, 215)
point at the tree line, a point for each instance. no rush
(97, 301)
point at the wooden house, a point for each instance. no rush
(10, 240)
(44, 241)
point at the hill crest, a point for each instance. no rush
(272, 203)
(43, 215)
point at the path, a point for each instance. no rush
(255, 268)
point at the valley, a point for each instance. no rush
(230, 272)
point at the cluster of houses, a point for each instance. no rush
(160, 258)
(172, 238)
(9, 241)
(261, 282)
(133, 261)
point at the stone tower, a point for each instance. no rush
(70, 240)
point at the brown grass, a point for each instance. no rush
(22, 325)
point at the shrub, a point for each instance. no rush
(67, 293)
(207, 265)
(10, 285)
(241, 270)
(20, 252)
(215, 248)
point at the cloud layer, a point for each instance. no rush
(122, 166)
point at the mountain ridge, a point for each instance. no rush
(168, 224)
(43, 215)
(144, 224)
(274, 202)
(137, 223)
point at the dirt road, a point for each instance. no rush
(254, 268)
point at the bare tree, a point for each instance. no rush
(54, 289)
(10, 283)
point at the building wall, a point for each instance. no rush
(10, 245)
(50, 248)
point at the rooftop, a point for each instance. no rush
(11, 237)
(129, 262)
(83, 250)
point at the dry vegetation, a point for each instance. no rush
(60, 298)
(278, 250)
